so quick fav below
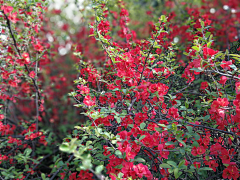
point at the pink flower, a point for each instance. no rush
(89, 101)
(237, 87)
(163, 153)
(7, 9)
(225, 64)
(32, 74)
(140, 170)
(1, 116)
(223, 80)
(26, 58)
(38, 47)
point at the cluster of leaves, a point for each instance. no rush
(161, 102)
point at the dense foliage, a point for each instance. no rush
(156, 90)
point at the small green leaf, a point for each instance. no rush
(233, 67)
(190, 129)
(196, 48)
(142, 137)
(197, 69)
(205, 169)
(181, 163)
(118, 119)
(164, 165)
(118, 153)
(172, 163)
(139, 159)
(207, 34)
(99, 169)
(142, 125)
(64, 147)
(182, 142)
(27, 151)
(43, 176)
(195, 143)
(196, 136)
(175, 171)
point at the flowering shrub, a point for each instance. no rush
(154, 116)
(162, 102)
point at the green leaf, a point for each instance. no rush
(142, 137)
(197, 69)
(99, 169)
(206, 117)
(170, 143)
(164, 165)
(196, 136)
(190, 129)
(182, 142)
(118, 153)
(139, 159)
(142, 125)
(163, 18)
(87, 164)
(195, 143)
(162, 125)
(175, 171)
(207, 34)
(209, 43)
(118, 119)
(182, 151)
(233, 67)
(205, 169)
(64, 147)
(196, 48)
(181, 163)
(172, 163)
(43, 176)
(28, 152)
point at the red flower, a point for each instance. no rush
(225, 65)
(104, 26)
(237, 87)
(127, 168)
(123, 146)
(124, 12)
(130, 154)
(173, 112)
(13, 17)
(212, 164)
(194, 151)
(163, 152)
(204, 85)
(7, 9)
(38, 47)
(32, 74)
(140, 170)
(26, 58)
(208, 51)
(230, 172)
(1, 116)
(140, 117)
(62, 175)
(200, 150)
(135, 131)
(89, 101)
(223, 80)
(83, 89)
(197, 165)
